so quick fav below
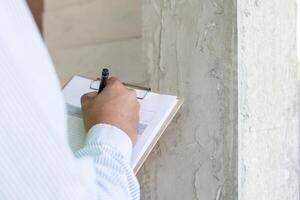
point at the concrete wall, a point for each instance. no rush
(190, 51)
(268, 121)
(234, 63)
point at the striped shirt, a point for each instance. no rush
(35, 159)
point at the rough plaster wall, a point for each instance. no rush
(268, 131)
(190, 51)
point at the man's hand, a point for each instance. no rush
(115, 105)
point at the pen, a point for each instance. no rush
(104, 77)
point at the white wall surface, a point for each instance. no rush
(268, 120)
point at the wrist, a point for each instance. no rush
(112, 136)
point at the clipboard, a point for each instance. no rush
(141, 94)
(88, 82)
(159, 134)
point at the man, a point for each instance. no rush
(36, 161)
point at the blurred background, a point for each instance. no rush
(83, 36)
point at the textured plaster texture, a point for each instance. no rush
(190, 51)
(268, 123)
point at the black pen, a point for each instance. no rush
(104, 78)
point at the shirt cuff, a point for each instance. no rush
(111, 136)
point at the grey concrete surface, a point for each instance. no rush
(190, 51)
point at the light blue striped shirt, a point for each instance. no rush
(111, 150)
(36, 161)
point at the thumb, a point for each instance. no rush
(86, 98)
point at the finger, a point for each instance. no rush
(132, 92)
(88, 97)
(113, 81)
(114, 85)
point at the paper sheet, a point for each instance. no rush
(155, 108)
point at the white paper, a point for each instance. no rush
(155, 109)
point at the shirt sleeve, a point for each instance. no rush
(111, 151)
(36, 160)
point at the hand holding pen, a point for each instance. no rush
(116, 105)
